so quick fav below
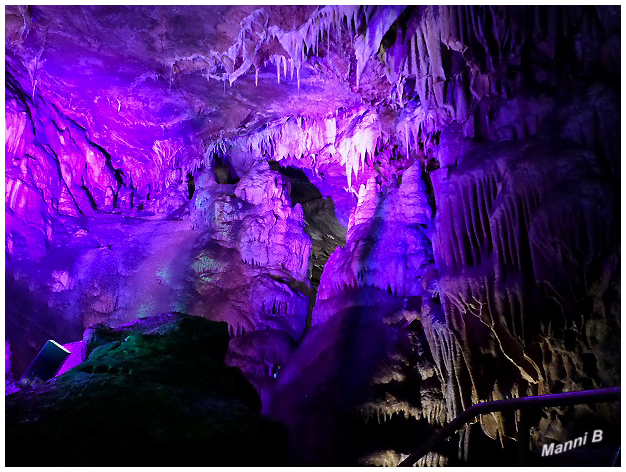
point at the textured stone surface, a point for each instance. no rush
(152, 393)
(386, 244)
(280, 167)
(225, 258)
(360, 387)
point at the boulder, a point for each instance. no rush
(155, 392)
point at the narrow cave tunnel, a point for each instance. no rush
(320, 231)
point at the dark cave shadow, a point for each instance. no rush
(319, 216)
(302, 190)
(224, 171)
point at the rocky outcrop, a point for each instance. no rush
(360, 389)
(517, 259)
(155, 392)
(387, 244)
(252, 272)
(454, 169)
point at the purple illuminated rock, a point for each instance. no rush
(252, 274)
(276, 167)
(260, 356)
(387, 244)
(10, 386)
(342, 401)
(274, 238)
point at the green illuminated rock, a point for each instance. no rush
(155, 392)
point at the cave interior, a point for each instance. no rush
(311, 235)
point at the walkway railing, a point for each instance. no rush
(539, 401)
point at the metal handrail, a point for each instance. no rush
(555, 399)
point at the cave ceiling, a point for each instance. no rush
(134, 71)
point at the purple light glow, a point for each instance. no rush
(73, 359)
(379, 201)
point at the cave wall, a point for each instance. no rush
(446, 176)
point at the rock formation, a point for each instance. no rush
(395, 209)
(153, 392)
